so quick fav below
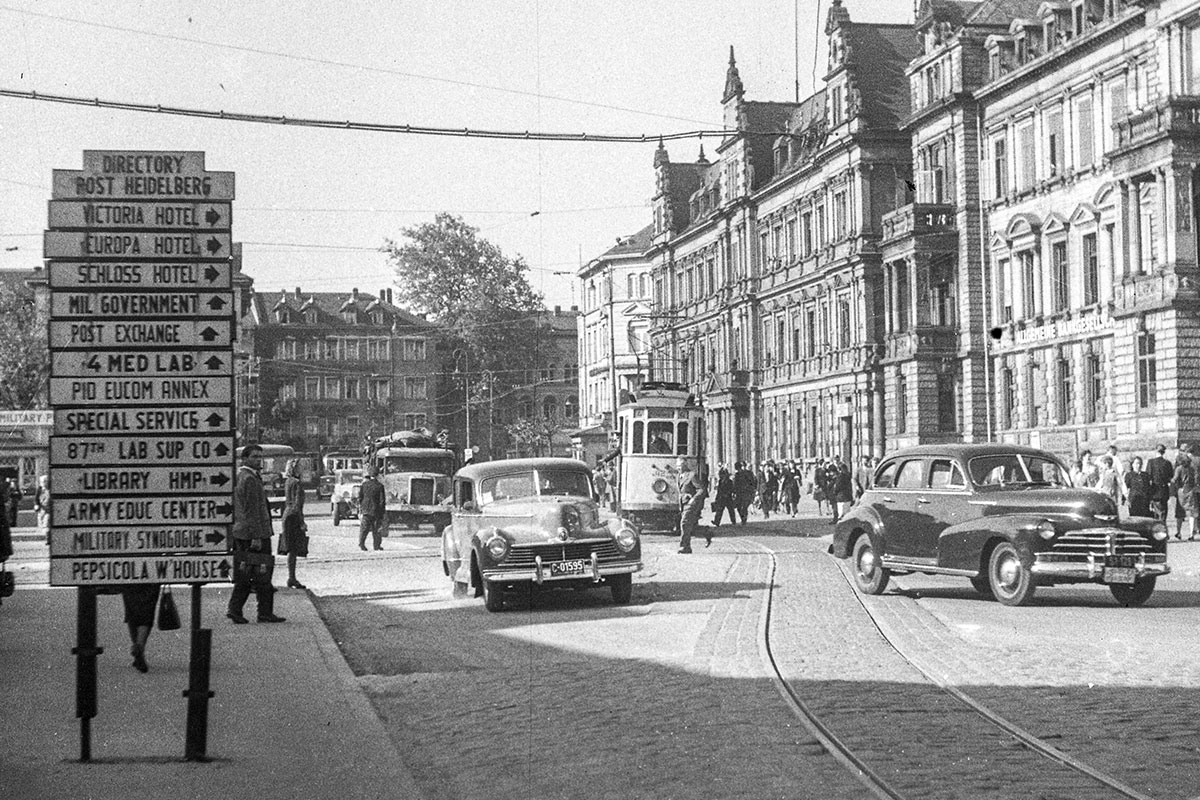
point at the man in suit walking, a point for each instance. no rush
(1161, 470)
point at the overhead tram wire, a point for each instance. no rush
(373, 127)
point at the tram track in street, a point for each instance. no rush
(841, 734)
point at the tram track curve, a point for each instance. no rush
(842, 749)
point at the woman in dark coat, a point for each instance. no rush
(725, 499)
(1137, 489)
(769, 489)
(843, 490)
(293, 541)
(790, 490)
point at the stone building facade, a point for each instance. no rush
(983, 227)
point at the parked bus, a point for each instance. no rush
(661, 423)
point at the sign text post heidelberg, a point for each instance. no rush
(141, 340)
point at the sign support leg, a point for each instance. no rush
(85, 652)
(197, 693)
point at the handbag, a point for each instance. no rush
(168, 614)
(300, 545)
(8, 584)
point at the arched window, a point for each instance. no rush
(550, 408)
(525, 407)
(591, 295)
(571, 408)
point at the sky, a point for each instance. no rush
(314, 206)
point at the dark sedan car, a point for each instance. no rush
(1004, 516)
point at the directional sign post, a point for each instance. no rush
(141, 332)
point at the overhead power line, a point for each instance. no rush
(376, 127)
(334, 63)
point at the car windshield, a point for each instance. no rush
(350, 476)
(570, 483)
(1016, 469)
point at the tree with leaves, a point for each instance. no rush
(24, 351)
(481, 299)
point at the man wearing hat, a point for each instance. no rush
(253, 561)
(372, 510)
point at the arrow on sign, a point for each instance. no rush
(208, 334)
(213, 245)
(224, 568)
(221, 449)
(211, 274)
(214, 537)
(216, 303)
(225, 508)
(214, 420)
(220, 479)
(212, 217)
(214, 363)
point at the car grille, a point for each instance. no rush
(1101, 542)
(523, 556)
(420, 491)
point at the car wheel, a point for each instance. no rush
(982, 584)
(1133, 594)
(337, 514)
(1011, 583)
(622, 589)
(869, 575)
(493, 595)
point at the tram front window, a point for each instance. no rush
(682, 448)
(661, 438)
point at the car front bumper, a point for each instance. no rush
(539, 572)
(1090, 567)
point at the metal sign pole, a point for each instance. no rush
(85, 652)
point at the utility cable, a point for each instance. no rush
(376, 127)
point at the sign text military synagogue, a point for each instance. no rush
(141, 383)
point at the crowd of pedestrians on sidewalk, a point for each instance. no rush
(1145, 489)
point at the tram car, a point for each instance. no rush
(661, 423)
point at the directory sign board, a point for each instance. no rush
(141, 330)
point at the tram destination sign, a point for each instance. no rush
(121, 276)
(174, 568)
(69, 451)
(137, 540)
(143, 420)
(216, 509)
(134, 391)
(139, 215)
(129, 480)
(166, 363)
(140, 334)
(136, 244)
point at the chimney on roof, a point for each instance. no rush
(297, 292)
(557, 310)
(389, 297)
(354, 294)
(574, 308)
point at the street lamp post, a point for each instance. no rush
(466, 357)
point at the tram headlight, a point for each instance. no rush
(660, 486)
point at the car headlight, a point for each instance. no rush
(1158, 531)
(626, 538)
(497, 547)
(1046, 529)
(571, 521)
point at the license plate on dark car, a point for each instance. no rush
(1119, 575)
(576, 567)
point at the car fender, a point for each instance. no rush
(860, 518)
(962, 546)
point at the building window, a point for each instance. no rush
(806, 234)
(903, 300)
(412, 349)
(947, 403)
(1066, 386)
(901, 404)
(1060, 278)
(1054, 143)
(1091, 270)
(1028, 284)
(1094, 384)
(379, 389)
(414, 421)
(1084, 132)
(1118, 102)
(835, 105)
(287, 391)
(999, 167)
(822, 240)
(352, 388)
(414, 388)
(312, 426)
(1004, 293)
(550, 409)
(333, 389)
(312, 388)
(1147, 371)
(1035, 388)
(312, 349)
(1009, 405)
(839, 216)
(1025, 156)
(843, 323)
(810, 325)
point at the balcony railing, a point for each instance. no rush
(915, 219)
(1175, 116)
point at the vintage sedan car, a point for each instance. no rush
(534, 522)
(1006, 517)
(347, 486)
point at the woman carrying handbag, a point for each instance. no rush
(294, 541)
